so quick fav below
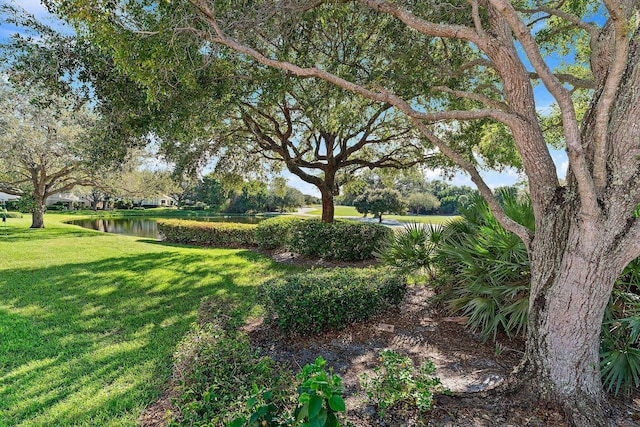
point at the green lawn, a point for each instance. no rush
(89, 320)
(351, 211)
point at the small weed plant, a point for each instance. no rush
(319, 402)
(397, 382)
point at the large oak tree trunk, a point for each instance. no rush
(37, 218)
(328, 208)
(569, 295)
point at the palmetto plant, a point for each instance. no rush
(487, 268)
(412, 248)
(487, 271)
(483, 273)
(620, 336)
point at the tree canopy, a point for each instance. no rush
(464, 73)
(43, 146)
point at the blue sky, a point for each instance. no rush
(493, 179)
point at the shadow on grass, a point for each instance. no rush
(19, 232)
(91, 343)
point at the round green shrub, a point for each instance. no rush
(322, 299)
(275, 233)
(339, 240)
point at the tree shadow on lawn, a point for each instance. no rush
(91, 343)
(20, 232)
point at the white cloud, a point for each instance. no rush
(295, 182)
(563, 168)
(431, 174)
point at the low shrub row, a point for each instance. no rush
(339, 240)
(11, 214)
(275, 233)
(316, 300)
(218, 234)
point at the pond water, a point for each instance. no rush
(147, 227)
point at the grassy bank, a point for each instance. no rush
(151, 213)
(350, 211)
(89, 320)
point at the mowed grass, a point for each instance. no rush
(351, 211)
(89, 320)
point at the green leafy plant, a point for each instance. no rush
(264, 413)
(320, 396)
(315, 300)
(216, 234)
(217, 372)
(339, 240)
(412, 249)
(485, 276)
(318, 404)
(275, 233)
(485, 268)
(396, 382)
(620, 335)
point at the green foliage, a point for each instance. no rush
(26, 203)
(397, 382)
(620, 336)
(218, 372)
(487, 279)
(10, 214)
(411, 249)
(380, 201)
(320, 396)
(487, 267)
(316, 300)
(215, 234)
(251, 198)
(276, 232)
(319, 402)
(210, 191)
(451, 197)
(339, 240)
(422, 203)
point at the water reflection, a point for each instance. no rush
(148, 227)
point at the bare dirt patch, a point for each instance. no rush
(464, 364)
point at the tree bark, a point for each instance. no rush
(569, 294)
(328, 207)
(37, 218)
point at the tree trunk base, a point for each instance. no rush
(522, 385)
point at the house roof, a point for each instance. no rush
(7, 197)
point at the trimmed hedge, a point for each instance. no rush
(216, 234)
(339, 240)
(275, 233)
(316, 300)
(11, 214)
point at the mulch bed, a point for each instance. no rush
(417, 328)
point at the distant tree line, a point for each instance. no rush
(412, 194)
